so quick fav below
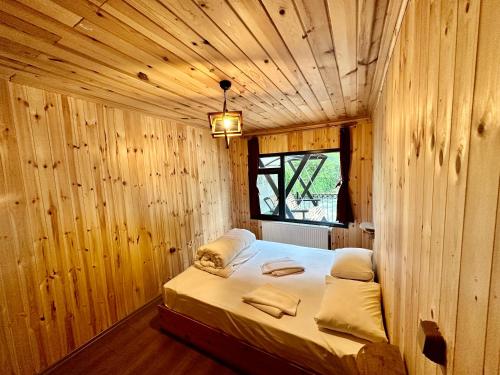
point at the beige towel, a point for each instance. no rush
(270, 296)
(281, 267)
(273, 311)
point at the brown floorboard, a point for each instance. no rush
(138, 346)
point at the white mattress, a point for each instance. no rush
(217, 302)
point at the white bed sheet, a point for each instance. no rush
(217, 302)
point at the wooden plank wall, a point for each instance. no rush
(314, 139)
(436, 184)
(92, 200)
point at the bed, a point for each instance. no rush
(213, 304)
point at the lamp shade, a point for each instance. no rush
(225, 123)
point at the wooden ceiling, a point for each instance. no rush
(291, 61)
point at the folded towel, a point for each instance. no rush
(273, 311)
(281, 267)
(227, 271)
(220, 253)
(268, 296)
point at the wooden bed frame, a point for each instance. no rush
(372, 359)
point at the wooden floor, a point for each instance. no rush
(139, 347)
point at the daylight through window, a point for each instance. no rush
(299, 187)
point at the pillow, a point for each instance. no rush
(353, 263)
(352, 307)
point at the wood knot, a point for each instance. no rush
(143, 76)
(282, 11)
(458, 164)
(172, 250)
(480, 128)
(441, 157)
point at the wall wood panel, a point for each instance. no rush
(92, 200)
(436, 183)
(303, 140)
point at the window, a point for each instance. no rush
(299, 187)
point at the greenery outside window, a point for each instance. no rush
(299, 187)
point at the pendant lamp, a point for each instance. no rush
(225, 124)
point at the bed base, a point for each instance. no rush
(246, 358)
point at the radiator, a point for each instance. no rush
(296, 234)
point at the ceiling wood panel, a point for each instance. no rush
(256, 19)
(316, 30)
(146, 26)
(344, 29)
(205, 54)
(291, 61)
(287, 21)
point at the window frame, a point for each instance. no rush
(280, 171)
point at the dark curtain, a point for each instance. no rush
(344, 207)
(253, 169)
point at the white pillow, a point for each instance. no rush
(352, 307)
(353, 263)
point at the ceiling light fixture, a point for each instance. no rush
(225, 124)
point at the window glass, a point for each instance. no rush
(267, 184)
(312, 184)
(270, 162)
